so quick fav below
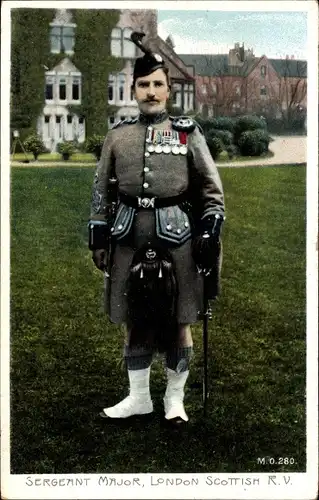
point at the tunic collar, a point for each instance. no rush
(152, 119)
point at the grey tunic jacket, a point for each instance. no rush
(145, 174)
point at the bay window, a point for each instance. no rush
(177, 94)
(62, 89)
(121, 86)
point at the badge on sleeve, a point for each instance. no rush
(184, 124)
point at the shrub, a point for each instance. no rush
(34, 144)
(94, 144)
(253, 142)
(66, 148)
(232, 151)
(215, 146)
(246, 123)
(224, 135)
(223, 123)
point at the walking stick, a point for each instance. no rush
(207, 316)
(211, 290)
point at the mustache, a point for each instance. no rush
(151, 100)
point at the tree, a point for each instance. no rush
(290, 92)
(225, 91)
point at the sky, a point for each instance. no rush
(275, 34)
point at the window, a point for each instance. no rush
(263, 71)
(76, 82)
(214, 88)
(49, 88)
(69, 118)
(132, 95)
(204, 88)
(177, 94)
(62, 39)
(116, 42)
(123, 118)
(58, 119)
(188, 97)
(121, 44)
(237, 90)
(81, 120)
(111, 88)
(263, 91)
(111, 121)
(62, 89)
(47, 119)
(121, 86)
(129, 48)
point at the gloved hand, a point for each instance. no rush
(206, 246)
(99, 259)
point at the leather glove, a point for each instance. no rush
(206, 246)
(99, 258)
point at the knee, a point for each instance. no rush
(185, 336)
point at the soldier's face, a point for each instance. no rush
(151, 92)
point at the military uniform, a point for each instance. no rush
(155, 161)
(168, 193)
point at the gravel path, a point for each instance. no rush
(287, 150)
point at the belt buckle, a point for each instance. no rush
(146, 202)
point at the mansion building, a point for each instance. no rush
(63, 86)
(214, 85)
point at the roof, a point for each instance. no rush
(206, 64)
(65, 66)
(290, 67)
(217, 64)
(159, 45)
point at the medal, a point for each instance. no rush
(175, 150)
(151, 148)
(183, 143)
(158, 148)
(166, 148)
(149, 135)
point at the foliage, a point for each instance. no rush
(224, 135)
(31, 53)
(232, 150)
(253, 142)
(223, 123)
(94, 144)
(215, 146)
(30, 48)
(66, 148)
(34, 144)
(93, 30)
(248, 122)
(66, 356)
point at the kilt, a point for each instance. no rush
(190, 283)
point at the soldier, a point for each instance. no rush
(169, 208)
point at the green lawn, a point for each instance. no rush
(67, 359)
(50, 157)
(90, 158)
